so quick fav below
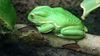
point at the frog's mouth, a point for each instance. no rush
(38, 24)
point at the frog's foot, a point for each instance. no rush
(72, 32)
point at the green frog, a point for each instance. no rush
(59, 21)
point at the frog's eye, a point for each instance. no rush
(31, 16)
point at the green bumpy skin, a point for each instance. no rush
(63, 23)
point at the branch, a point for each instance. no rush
(90, 44)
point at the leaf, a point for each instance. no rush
(88, 6)
(7, 13)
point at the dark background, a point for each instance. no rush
(23, 7)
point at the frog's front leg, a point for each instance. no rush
(45, 28)
(72, 32)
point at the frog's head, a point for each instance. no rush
(39, 15)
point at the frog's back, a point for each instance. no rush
(68, 17)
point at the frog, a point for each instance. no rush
(59, 21)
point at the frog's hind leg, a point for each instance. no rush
(72, 32)
(70, 37)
